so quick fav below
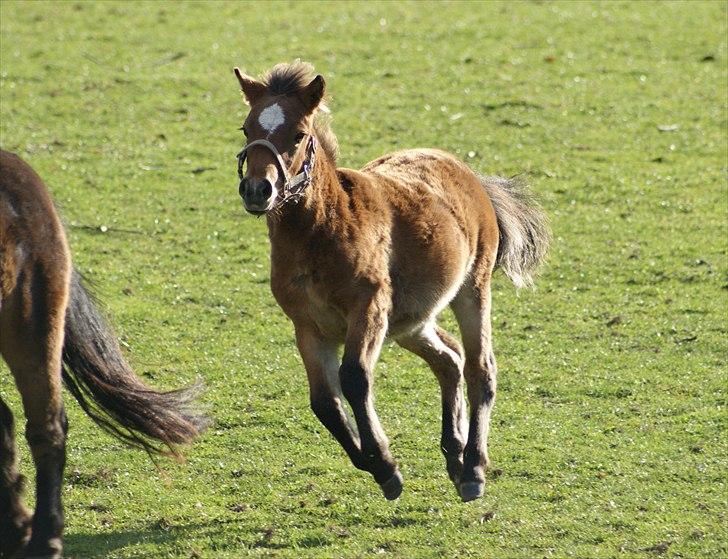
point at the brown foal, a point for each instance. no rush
(51, 331)
(357, 256)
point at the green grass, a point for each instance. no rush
(610, 428)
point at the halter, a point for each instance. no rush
(293, 187)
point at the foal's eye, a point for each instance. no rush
(245, 131)
(299, 137)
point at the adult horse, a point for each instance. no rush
(360, 255)
(50, 330)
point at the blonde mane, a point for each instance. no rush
(288, 79)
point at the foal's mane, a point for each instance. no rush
(288, 79)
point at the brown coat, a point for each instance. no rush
(380, 252)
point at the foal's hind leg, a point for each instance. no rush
(445, 357)
(14, 517)
(472, 310)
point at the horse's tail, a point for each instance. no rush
(523, 226)
(98, 376)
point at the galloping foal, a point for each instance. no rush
(50, 328)
(360, 255)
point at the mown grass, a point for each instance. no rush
(609, 435)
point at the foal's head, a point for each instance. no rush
(279, 131)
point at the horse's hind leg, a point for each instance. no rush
(445, 357)
(40, 386)
(472, 310)
(32, 349)
(46, 435)
(14, 517)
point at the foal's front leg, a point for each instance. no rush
(364, 340)
(320, 357)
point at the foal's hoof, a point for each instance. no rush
(471, 490)
(392, 488)
(455, 472)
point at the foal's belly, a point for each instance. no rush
(413, 304)
(425, 274)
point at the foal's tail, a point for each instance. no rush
(99, 377)
(524, 231)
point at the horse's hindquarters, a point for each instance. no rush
(430, 259)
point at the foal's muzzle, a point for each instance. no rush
(261, 196)
(258, 196)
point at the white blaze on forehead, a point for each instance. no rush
(271, 118)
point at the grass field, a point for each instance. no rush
(609, 435)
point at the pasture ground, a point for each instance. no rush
(609, 434)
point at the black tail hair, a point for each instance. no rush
(98, 376)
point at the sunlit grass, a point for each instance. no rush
(609, 434)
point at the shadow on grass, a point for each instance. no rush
(101, 545)
(91, 545)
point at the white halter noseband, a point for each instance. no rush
(293, 187)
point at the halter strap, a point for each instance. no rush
(293, 187)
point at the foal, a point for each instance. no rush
(50, 330)
(360, 255)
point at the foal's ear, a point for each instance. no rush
(313, 93)
(252, 88)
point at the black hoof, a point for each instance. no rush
(50, 549)
(471, 490)
(392, 488)
(14, 537)
(454, 472)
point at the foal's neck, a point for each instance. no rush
(319, 210)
